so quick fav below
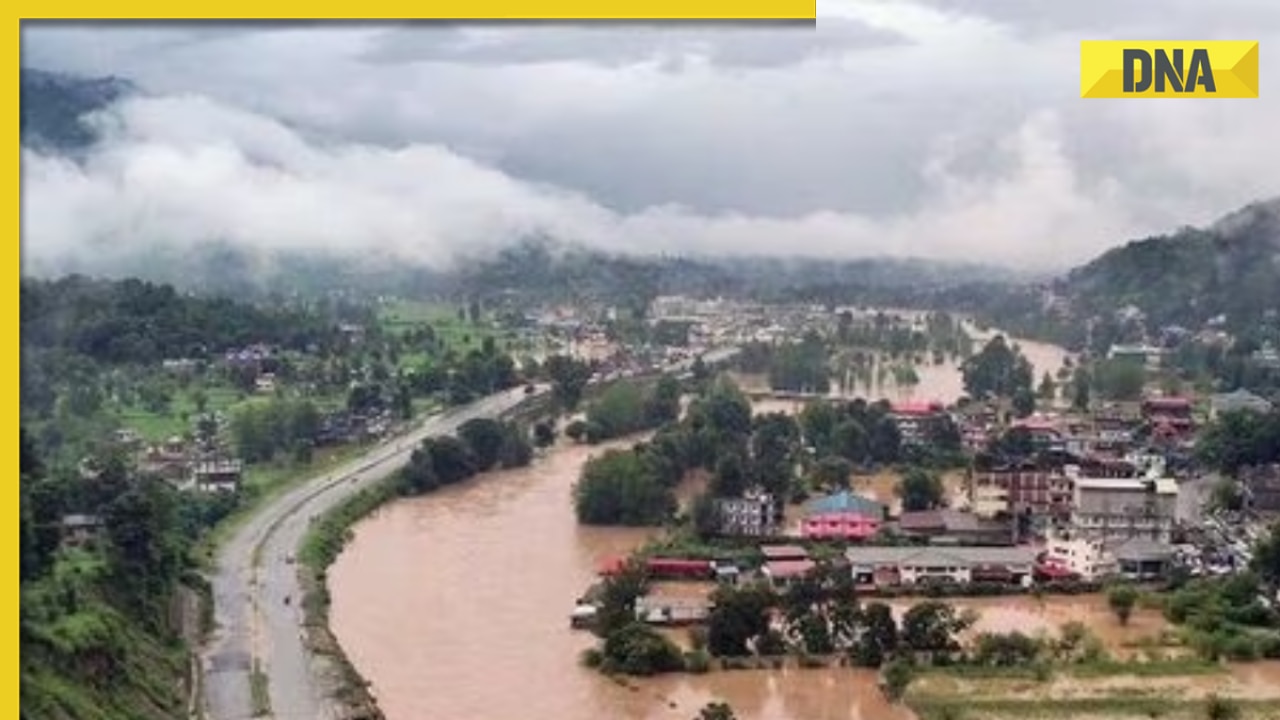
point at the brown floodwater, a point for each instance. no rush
(455, 606)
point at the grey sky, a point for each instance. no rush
(933, 128)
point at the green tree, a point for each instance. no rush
(878, 639)
(998, 370)
(921, 490)
(1048, 390)
(484, 437)
(1119, 379)
(1220, 708)
(619, 488)
(1121, 599)
(569, 379)
(832, 472)
(738, 615)
(932, 627)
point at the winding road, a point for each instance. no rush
(255, 627)
(256, 630)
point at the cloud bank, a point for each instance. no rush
(934, 129)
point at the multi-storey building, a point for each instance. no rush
(1112, 509)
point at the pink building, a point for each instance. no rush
(840, 526)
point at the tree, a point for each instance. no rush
(1119, 379)
(619, 488)
(1080, 383)
(998, 370)
(484, 437)
(931, 627)
(1122, 599)
(618, 595)
(1024, 402)
(569, 379)
(730, 478)
(544, 433)
(878, 639)
(706, 516)
(576, 430)
(849, 440)
(662, 404)
(716, 711)
(738, 615)
(921, 490)
(832, 472)
(1266, 557)
(1048, 390)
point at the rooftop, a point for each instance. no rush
(963, 555)
(845, 502)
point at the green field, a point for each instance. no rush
(457, 334)
(156, 427)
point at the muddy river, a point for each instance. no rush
(454, 606)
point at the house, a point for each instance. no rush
(840, 526)
(1149, 357)
(672, 610)
(954, 527)
(756, 515)
(265, 383)
(1121, 508)
(1240, 400)
(1261, 485)
(217, 474)
(1039, 492)
(915, 419)
(889, 566)
(846, 502)
(783, 564)
(79, 530)
(1141, 558)
(1084, 558)
(1045, 433)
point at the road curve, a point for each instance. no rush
(254, 625)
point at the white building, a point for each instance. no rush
(756, 515)
(1087, 558)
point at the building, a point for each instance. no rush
(756, 515)
(954, 527)
(848, 526)
(1111, 509)
(1140, 558)
(1042, 493)
(847, 502)
(1084, 558)
(1238, 401)
(915, 419)
(889, 566)
(783, 564)
(79, 530)
(217, 475)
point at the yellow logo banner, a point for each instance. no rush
(1169, 69)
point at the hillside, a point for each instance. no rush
(1231, 268)
(53, 106)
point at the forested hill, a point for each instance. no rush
(53, 106)
(1231, 268)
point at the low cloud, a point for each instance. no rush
(185, 170)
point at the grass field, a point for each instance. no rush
(156, 427)
(458, 334)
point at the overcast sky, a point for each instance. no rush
(928, 128)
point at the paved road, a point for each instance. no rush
(254, 625)
(253, 622)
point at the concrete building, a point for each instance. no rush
(1088, 559)
(1042, 493)
(914, 419)
(756, 515)
(1111, 509)
(1140, 558)
(887, 566)
(217, 474)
